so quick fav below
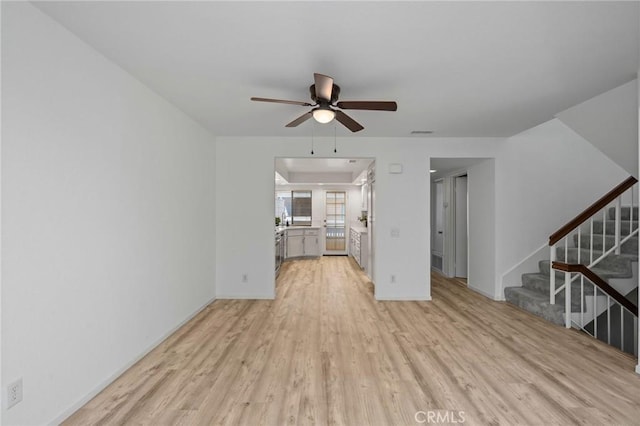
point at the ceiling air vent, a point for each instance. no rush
(421, 132)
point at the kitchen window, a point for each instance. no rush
(294, 207)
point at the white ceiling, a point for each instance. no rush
(457, 68)
(323, 165)
(321, 170)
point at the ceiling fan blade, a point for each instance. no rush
(348, 122)
(280, 101)
(369, 105)
(324, 86)
(304, 117)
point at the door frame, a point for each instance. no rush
(344, 252)
(449, 223)
(457, 267)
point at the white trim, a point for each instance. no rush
(2, 391)
(449, 227)
(404, 299)
(77, 405)
(638, 369)
(485, 294)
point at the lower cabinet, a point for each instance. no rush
(359, 246)
(295, 245)
(302, 242)
(311, 243)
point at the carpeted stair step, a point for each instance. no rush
(541, 284)
(609, 227)
(544, 267)
(572, 255)
(628, 247)
(612, 261)
(533, 295)
(536, 303)
(537, 282)
(606, 269)
(625, 213)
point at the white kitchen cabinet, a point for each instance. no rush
(311, 243)
(364, 192)
(295, 245)
(303, 242)
(359, 246)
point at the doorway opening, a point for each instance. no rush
(449, 227)
(337, 208)
(450, 224)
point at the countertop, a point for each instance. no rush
(284, 228)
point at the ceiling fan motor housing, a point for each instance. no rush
(324, 93)
(335, 93)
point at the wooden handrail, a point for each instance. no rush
(602, 284)
(591, 210)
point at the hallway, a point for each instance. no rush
(325, 352)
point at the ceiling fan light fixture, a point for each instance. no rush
(324, 94)
(323, 115)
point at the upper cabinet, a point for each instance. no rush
(363, 193)
(371, 174)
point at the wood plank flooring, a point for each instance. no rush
(326, 353)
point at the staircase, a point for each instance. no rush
(592, 310)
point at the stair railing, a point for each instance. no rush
(571, 236)
(610, 300)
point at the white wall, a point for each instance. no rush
(245, 209)
(609, 122)
(108, 217)
(545, 176)
(482, 229)
(2, 387)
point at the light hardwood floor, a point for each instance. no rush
(325, 352)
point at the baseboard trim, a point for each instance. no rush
(77, 405)
(403, 299)
(638, 369)
(487, 295)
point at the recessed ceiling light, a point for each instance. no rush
(432, 171)
(421, 132)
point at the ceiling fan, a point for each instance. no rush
(325, 95)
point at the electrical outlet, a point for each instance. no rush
(393, 279)
(14, 393)
(245, 278)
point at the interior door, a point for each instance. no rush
(334, 222)
(461, 226)
(438, 236)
